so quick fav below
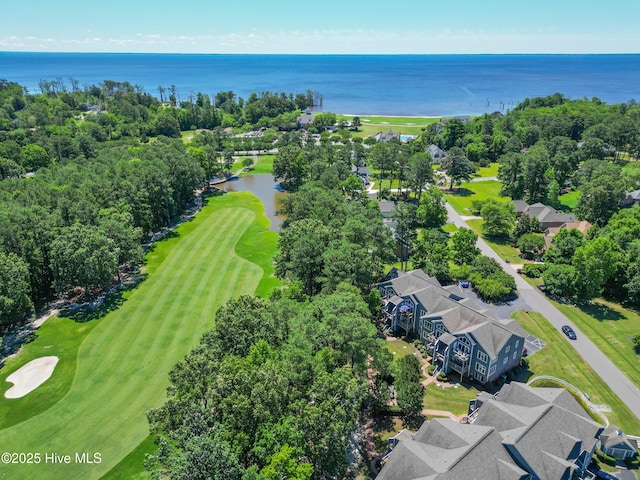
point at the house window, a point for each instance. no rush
(504, 362)
(508, 349)
(517, 343)
(492, 369)
(439, 330)
(515, 354)
(483, 357)
(481, 368)
(428, 326)
(479, 376)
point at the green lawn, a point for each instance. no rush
(490, 171)
(399, 348)
(264, 165)
(501, 246)
(569, 201)
(449, 399)
(461, 197)
(560, 360)
(122, 365)
(370, 125)
(611, 327)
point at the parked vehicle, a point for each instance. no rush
(568, 331)
(605, 475)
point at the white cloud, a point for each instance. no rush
(322, 40)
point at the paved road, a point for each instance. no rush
(601, 364)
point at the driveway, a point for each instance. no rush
(617, 381)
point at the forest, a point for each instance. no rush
(87, 175)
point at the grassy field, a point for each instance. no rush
(560, 360)
(460, 198)
(611, 327)
(490, 171)
(569, 201)
(370, 125)
(399, 348)
(122, 364)
(449, 399)
(264, 165)
(501, 246)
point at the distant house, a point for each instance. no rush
(547, 216)
(363, 173)
(437, 154)
(459, 337)
(616, 444)
(384, 137)
(631, 198)
(519, 206)
(305, 119)
(582, 226)
(521, 433)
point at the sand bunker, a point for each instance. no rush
(30, 376)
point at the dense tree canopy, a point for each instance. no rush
(282, 404)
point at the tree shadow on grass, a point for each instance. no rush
(460, 192)
(98, 308)
(601, 312)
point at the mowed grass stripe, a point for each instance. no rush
(123, 364)
(203, 247)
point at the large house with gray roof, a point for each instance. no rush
(521, 433)
(547, 216)
(458, 336)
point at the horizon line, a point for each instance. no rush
(312, 54)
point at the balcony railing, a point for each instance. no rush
(460, 356)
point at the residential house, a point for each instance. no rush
(305, 119)
(519, 206)
(521, 433)
(437, 154)
(616, 444)
(458, 336)
(631, 198)
(363, 173)
(547, 216)
(386, 212)
(386, 136)
(582, 226)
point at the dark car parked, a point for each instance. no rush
(568, 331)
(605, 475)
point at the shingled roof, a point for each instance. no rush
(521, 431)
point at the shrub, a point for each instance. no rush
(442, 377)
(534, 270)
(632, 462)
(560, 280)
(431, 369)
(476, 206)
(524, 361)
(604, 458)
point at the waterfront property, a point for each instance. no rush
(437, 154)
(458, 336)
(520, 433)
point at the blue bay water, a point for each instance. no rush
(354, 84)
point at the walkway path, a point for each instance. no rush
(618, 381)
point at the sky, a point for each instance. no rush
(321, 27)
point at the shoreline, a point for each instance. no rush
(395, 116)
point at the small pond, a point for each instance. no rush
(262, 186)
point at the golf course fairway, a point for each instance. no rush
(123, 363)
